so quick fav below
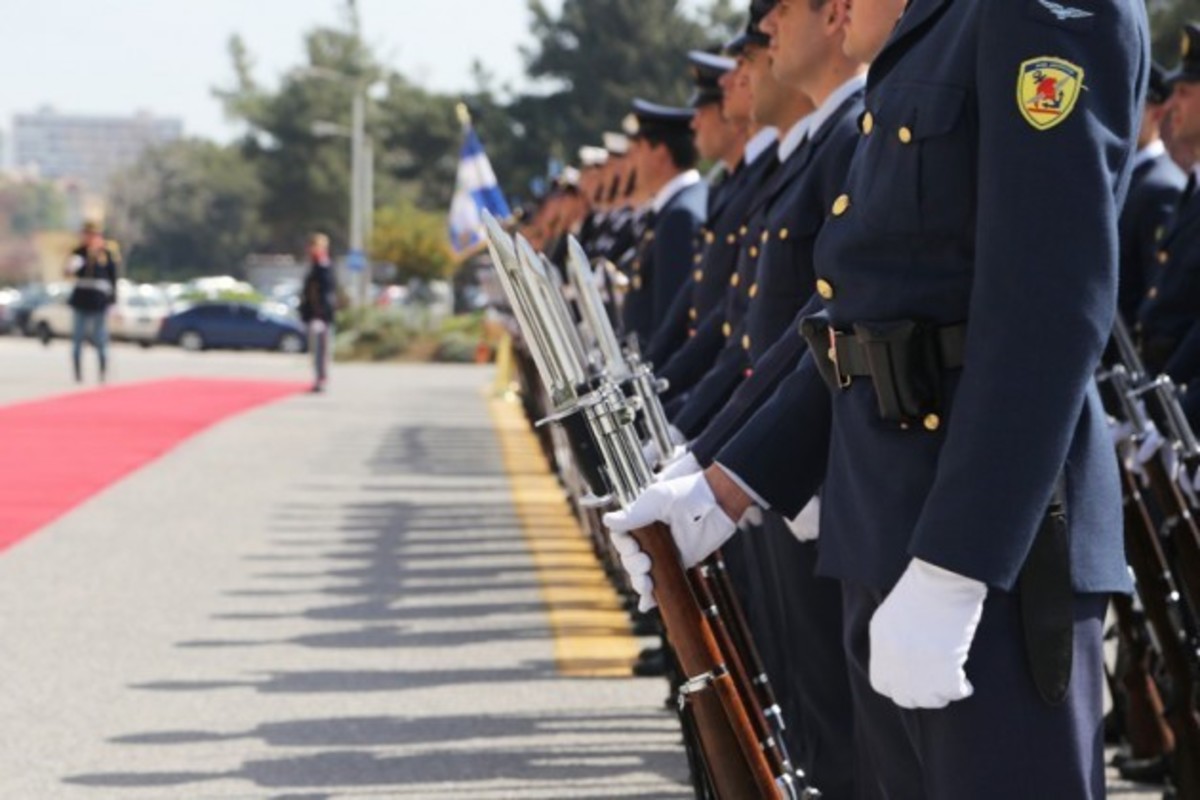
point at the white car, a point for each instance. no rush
(135, 317)
(138, 313)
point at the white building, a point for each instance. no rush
(86, 149)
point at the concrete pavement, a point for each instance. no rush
(328, 597)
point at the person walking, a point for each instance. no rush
(318, 304)
(93, 267)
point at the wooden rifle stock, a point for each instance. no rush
(744, 642)
(1175, 636)
(1145, 724)
(715, 604)
(737, 766)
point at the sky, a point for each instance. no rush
(164, 56)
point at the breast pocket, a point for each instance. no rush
(916, 173)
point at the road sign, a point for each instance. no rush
(356, 261)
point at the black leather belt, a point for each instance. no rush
(851, 356)
(905, 360)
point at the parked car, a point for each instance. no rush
(235, 325)
(136, 316)
(32, 296)
(138, 313)
(51, 317)
(8, 298)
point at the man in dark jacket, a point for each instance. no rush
(318, 304)
(94, 268)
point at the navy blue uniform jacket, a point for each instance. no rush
(714, 296)
(663, 260)
(1154, 193)
(714, 260)
(783, 278)
(959, 209)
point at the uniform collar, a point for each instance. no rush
(1149, 153)
(759, 143)
(674, 186)
(832, 103)
(795, 135)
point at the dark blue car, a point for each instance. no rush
(235, 325)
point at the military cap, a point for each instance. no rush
(568, 178)
(707, 69)
(1189, 55)
(592, 156)
(617, 144)
(1159, 89)
(752, 36)
(655, 121)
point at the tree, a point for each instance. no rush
(414, 240)
(1167, 18)
(186, 208)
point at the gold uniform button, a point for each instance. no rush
(932, 422)
(693, 314)
(868, 123)
(825, 289)
(746, 342)
(905, 134)
(731, 239)
(1153, 293)
(753, 252)
(783, 233)
(637, 282)
(709, 237)
(735, 279)
(1163, 256)
(727, 330)
(753, 291)
(649, 236)
(697, 258)
(742, 230)
(841, 205)
(637, 266)
(766, 235)
(698, 275)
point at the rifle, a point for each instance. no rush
(710, 580)
(1170, 614)
(599, 421)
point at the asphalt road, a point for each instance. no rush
(326, 598)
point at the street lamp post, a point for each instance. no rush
(362, 177)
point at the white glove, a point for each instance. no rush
(921, 635)
(689, 509)
(805, 526)
(682, 463)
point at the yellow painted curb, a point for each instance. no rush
(592, 637)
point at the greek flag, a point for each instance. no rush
(476, 189)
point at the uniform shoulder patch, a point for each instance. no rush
(1047, 90)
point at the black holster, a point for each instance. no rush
(905, 360)
(1047, 601)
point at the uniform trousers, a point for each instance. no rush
(805, 616)
(1002, 743)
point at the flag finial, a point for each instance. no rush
(464, 114)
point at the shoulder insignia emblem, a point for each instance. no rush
(1065, 12)
(1047, 90)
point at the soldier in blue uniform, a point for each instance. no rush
(970, 501)
(718, 139)
(664, 156)
(754, 93)
(1154, 193)
(1167, 319)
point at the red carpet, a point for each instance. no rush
(56, 453)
